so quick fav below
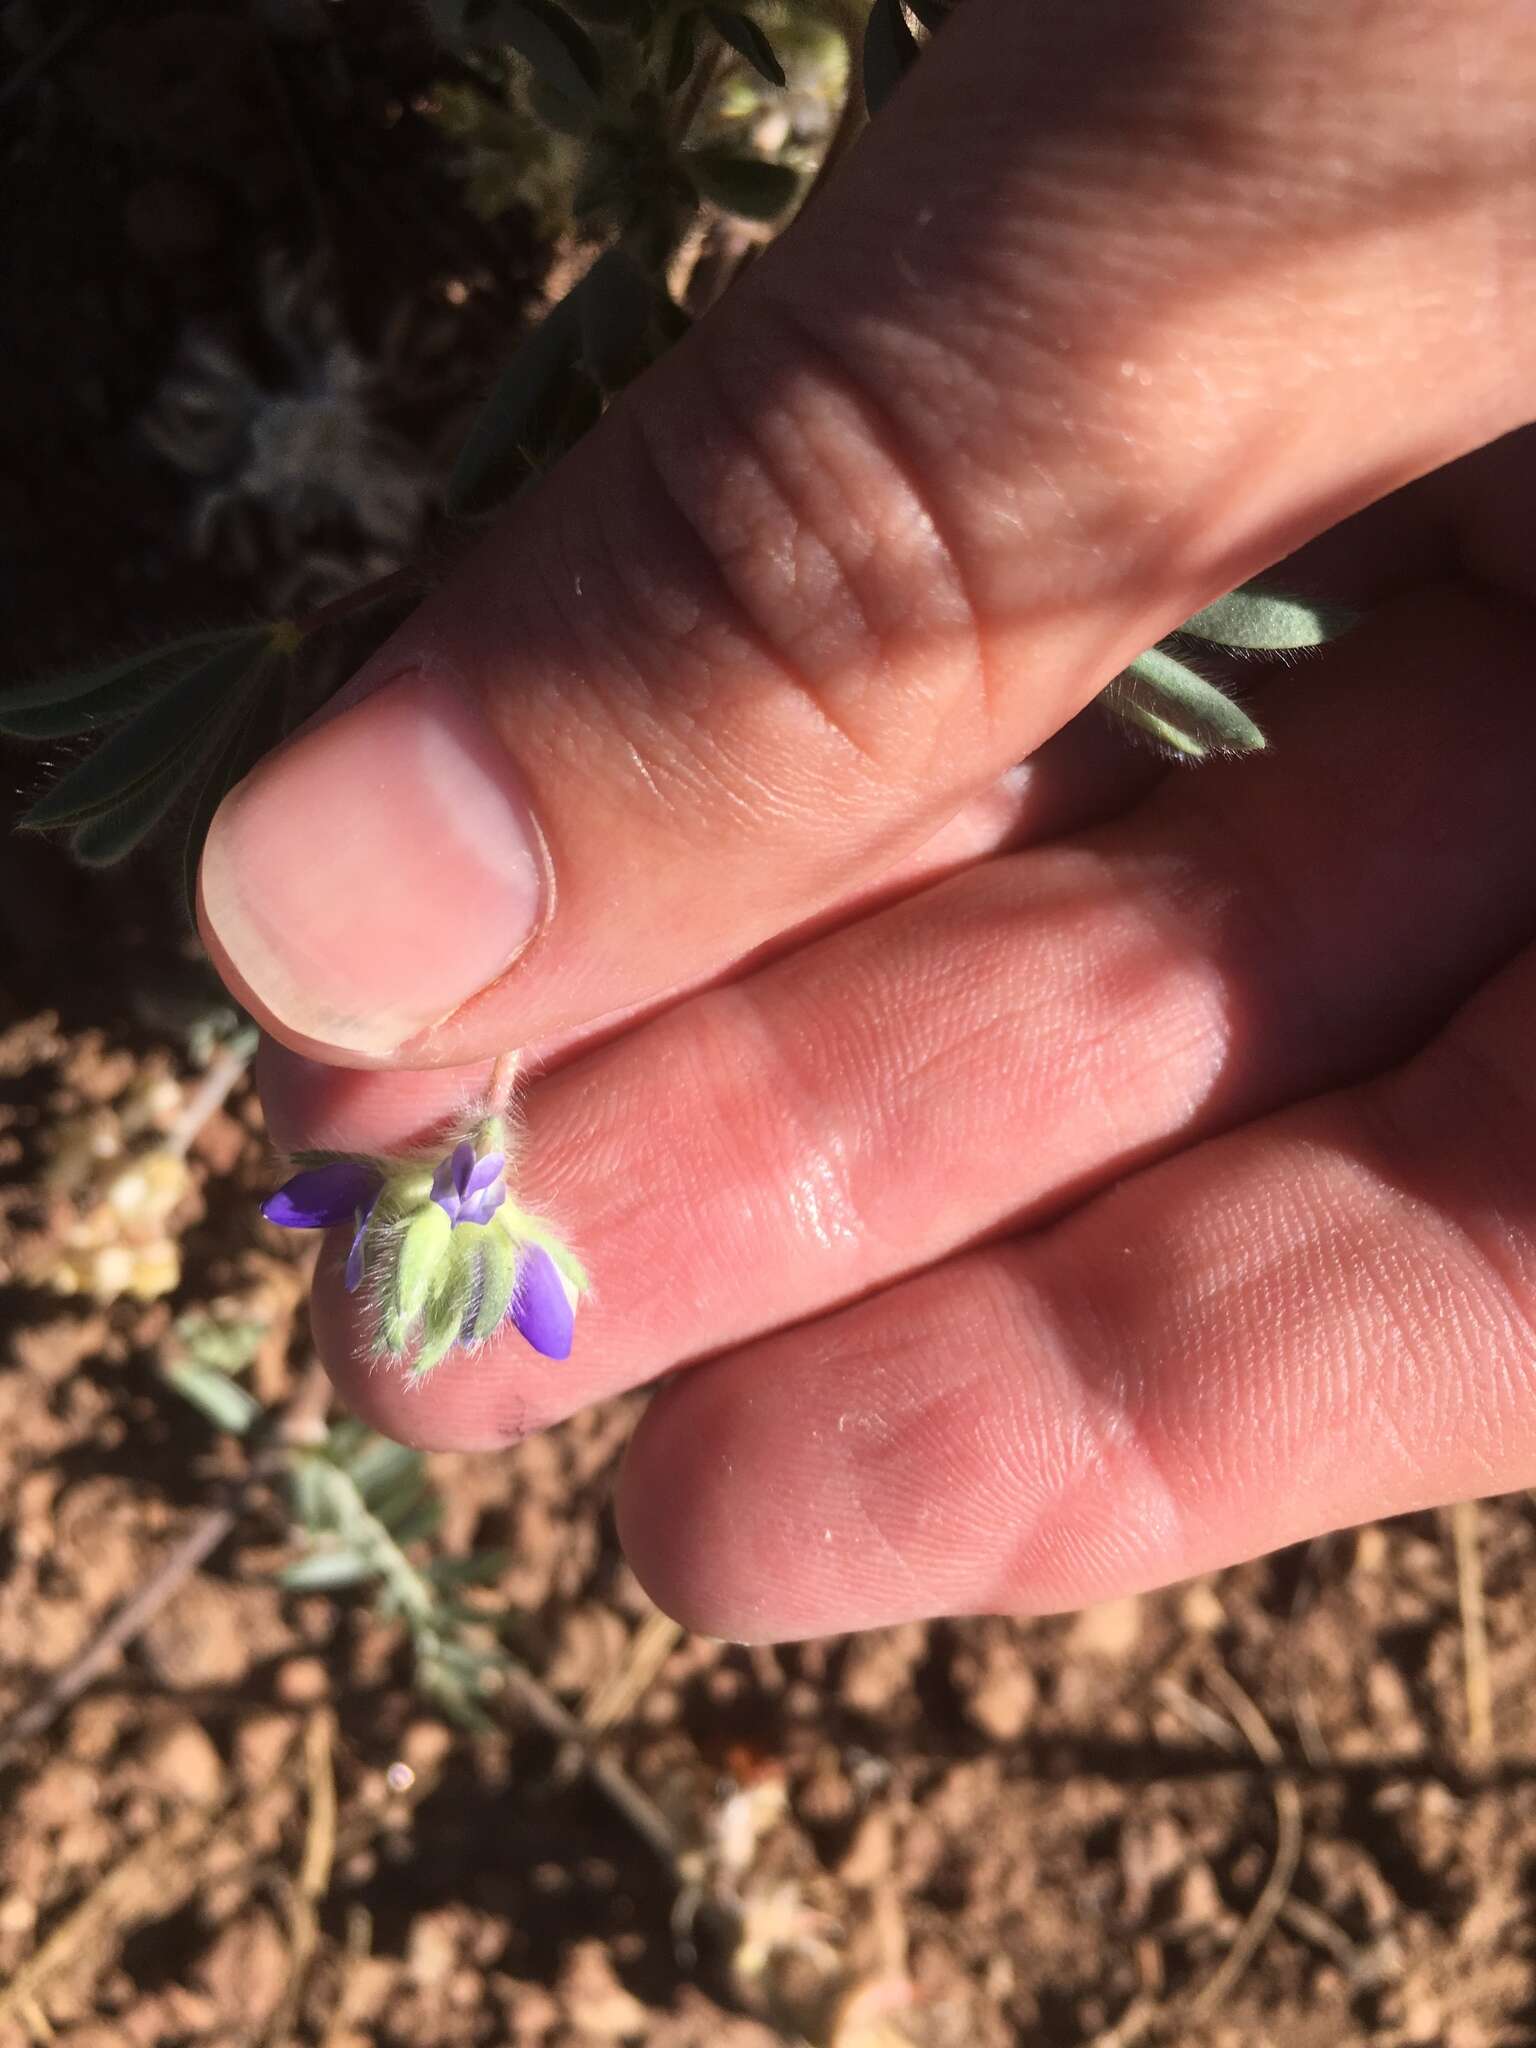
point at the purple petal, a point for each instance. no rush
(485, 1171)
(541, 1308)
(444, 1192)
(481, 1207)
(463, 1165)
(323, 1195)
(354, 1272)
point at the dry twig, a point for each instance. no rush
(615, 1698)
(1266, 1907)
(130, 1619)
(1477, 1680)
(609, 1776)
(314, 1880)
(147, 1884)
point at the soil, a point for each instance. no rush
(251, 1826)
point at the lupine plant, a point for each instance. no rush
(445, 1256)
(360, 1509)
(635, 97)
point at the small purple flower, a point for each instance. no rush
(345, 1191)
(467, 1189)
(541, 1308)
(323, 1195)
(364, 1216)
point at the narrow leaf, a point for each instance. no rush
(495, 453)
(224, 1402)
(544, 35)
(747, 185)
(135, 752)
(1263, 619)
(747, 40)
(497, 1284)
(684, 49)
(440, 1332)
(480, 1568)
(423, 1519)
(1165, 699)
(111, 835)
(378, 1465)
(615, 302)
(393, 1506)
(325, 1571)
(172, 656)
(890, 51)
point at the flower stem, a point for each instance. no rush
(396, 584)
(501, 1083)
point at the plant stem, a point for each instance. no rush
(502, 1082)
(395, 584)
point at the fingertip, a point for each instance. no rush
(706, 1521)
(369, 879)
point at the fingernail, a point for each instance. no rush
(365, 882)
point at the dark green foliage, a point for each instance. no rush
(747, 40)
(161, 745)
(655, 111)
(682, 52)
(522, 413)
(557, 47)
(53, 707)
(748, 185)
(890, 51)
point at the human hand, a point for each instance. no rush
(1070, 1178)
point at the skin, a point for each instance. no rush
(1055, 1181)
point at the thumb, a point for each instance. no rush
(1112, 307)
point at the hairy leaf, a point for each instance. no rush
(496, 1282)
(423, 1248)
(1264, 620)
(422, 1519)
(94, 692)
(1166, 700)
(111, 835)
(172, 726)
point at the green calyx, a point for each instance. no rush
(439, 1286)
